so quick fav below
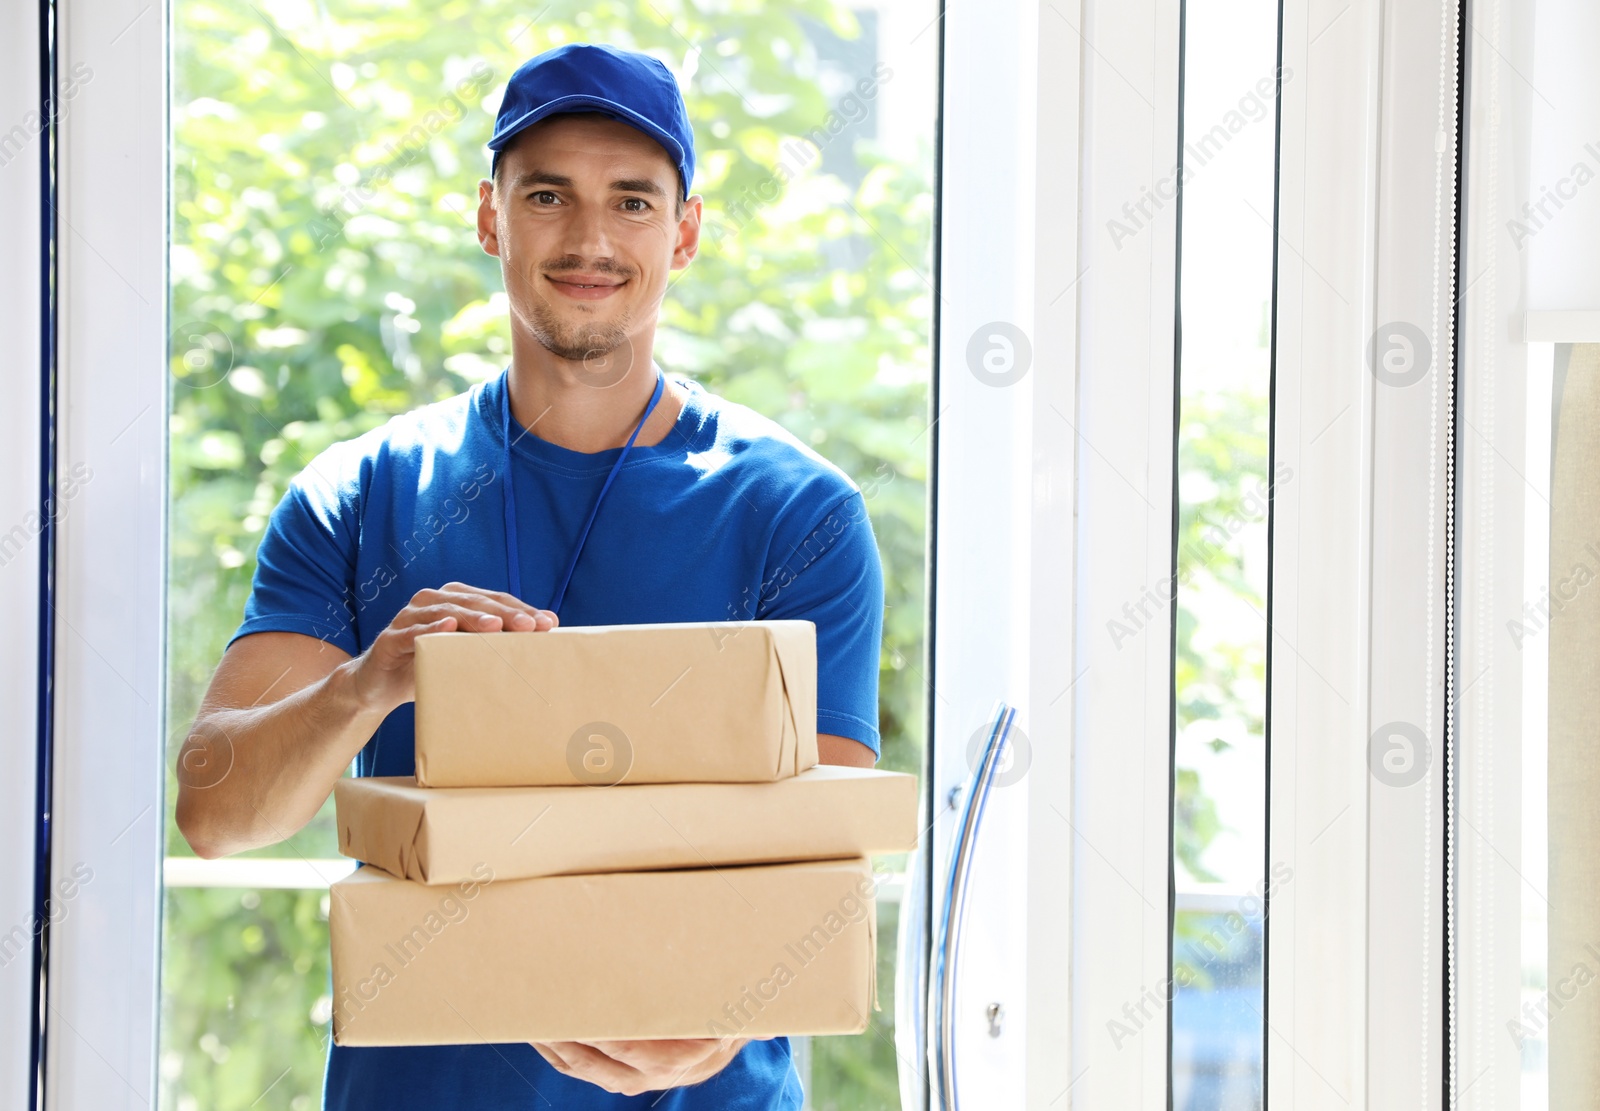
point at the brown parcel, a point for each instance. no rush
(439, 834)
(758, 951)
(720, 702)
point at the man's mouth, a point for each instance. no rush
(586, 287)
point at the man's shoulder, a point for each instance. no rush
(440, 426)
(752, 448)
(406, 442)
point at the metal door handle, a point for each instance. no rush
(947, 950)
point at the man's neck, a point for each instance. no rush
(590, 407)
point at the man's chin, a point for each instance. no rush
(600, 357)
(579, 344)
(598, 364)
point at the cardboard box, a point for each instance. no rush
(714, 702)
(439, 834)
(758, 951)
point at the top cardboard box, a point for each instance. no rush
(712, 702)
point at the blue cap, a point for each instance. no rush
(585, 77)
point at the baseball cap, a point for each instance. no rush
(587, 77)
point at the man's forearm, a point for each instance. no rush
(254, 776)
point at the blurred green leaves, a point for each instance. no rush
(1220, 670)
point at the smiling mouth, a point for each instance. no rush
(586, 285)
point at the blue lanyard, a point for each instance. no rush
(513, 563)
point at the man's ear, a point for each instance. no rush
(488, 222)
(688, 244)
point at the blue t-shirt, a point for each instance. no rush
(727, 518)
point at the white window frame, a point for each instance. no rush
(1355, 960)
(1040, 537)
(109, 752)
(1052, 509)
(1024, 508)
(21, 301)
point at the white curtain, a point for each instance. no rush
(1574, 881)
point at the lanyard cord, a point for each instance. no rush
(513, 563)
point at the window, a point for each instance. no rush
(326, 275)
(1229, 98)
(322, 276)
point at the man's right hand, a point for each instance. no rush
(285, 713)
(384, 677)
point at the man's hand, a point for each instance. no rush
(632, 1067)
(285, 714)
(384, 677)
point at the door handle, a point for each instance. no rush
(953, 905)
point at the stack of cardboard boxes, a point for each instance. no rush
(614, 832)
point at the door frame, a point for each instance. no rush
(108, 768)
(1040, 537)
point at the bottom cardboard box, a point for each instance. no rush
(750, 951)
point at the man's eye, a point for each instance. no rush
(542, 194)
(644, 206)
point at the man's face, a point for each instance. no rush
(586, 201)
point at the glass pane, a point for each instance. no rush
(1225, 291)
(326, 275)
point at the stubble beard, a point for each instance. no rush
(578, 340)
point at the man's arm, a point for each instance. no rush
(285, 714)
(843, 750)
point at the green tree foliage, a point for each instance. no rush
(244, 1015)
(1220, 669)
(326, 275)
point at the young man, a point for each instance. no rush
(582, 485)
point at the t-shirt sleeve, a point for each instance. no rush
(830, 575)
(306, 563)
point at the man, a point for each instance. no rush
(582, 486)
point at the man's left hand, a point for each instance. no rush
(632, 1067)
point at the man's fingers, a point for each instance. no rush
(655, 1054)
(598, 1068)
(509, 606)
(668, 1063)
(550, 1054)
(633, 1066)
(467, 620)
(498, 595)
(399, 641)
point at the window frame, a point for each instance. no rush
(1036, 543)
(1035, 533)
(22, 423)
(109, 754)
(1356, 941)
